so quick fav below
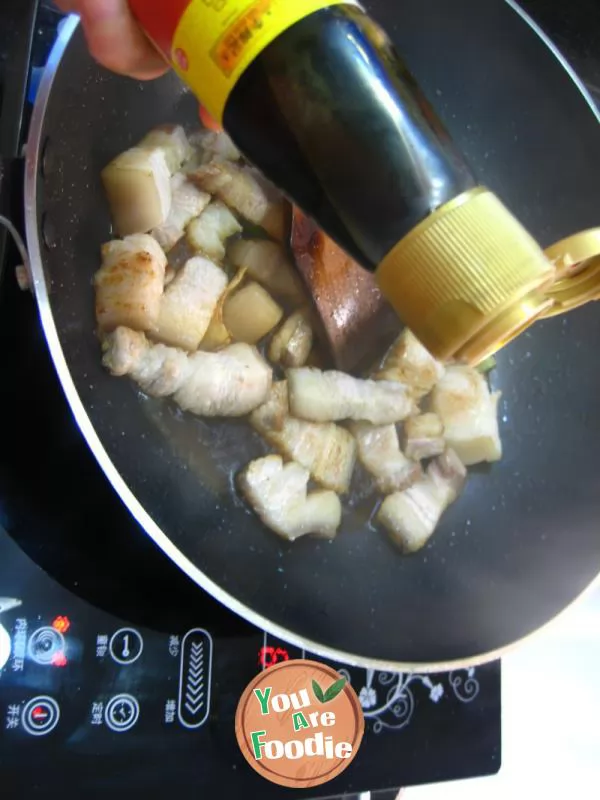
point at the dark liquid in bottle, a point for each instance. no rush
(331, 114)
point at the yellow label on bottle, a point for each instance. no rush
(216, 40)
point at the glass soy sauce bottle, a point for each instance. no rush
(315, 95)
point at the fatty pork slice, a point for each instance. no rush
(380, 454)
(188, 202)
(449, 475)
(279, 494)
(231, 383)
(329, 396)
(411, 517)
(424, 436)
(215, 146)
(138, 188)
(469, 413)
(244, 193)
(129, 284)
(268, 264)
(173, 142)
(210, 231)
(326, 450)
(409, 363)
(189, 303)
(292, 343)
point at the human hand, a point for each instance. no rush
(114, 38)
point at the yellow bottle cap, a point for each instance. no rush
(577, 263)
(468, 278)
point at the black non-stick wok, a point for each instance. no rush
(524, 540)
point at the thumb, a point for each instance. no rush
(116, 41)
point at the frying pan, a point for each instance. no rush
(523, 541)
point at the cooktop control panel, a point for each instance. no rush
(75, 682)
(78, 682)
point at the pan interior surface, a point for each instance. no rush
(522, 542)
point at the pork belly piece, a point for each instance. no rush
(411, 517)
(292, 343)
(469, 413)
(268, 264)
(329, 396)
(188, 202)
(409, 363)
(326, 450)
(246, 194)
(129, 284)
(208, 233)
(231, 383)
(138, 188)
(214, 146)
(380, 454)
(424, 436)
(173, 142)
(278, 494)
(189, 303)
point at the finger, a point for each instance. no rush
(116, 41)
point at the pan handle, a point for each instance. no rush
(17, 24)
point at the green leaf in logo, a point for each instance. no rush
(318, 692)
(334, 690)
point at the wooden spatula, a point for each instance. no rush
(359, 324)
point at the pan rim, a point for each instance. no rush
(133, 505)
